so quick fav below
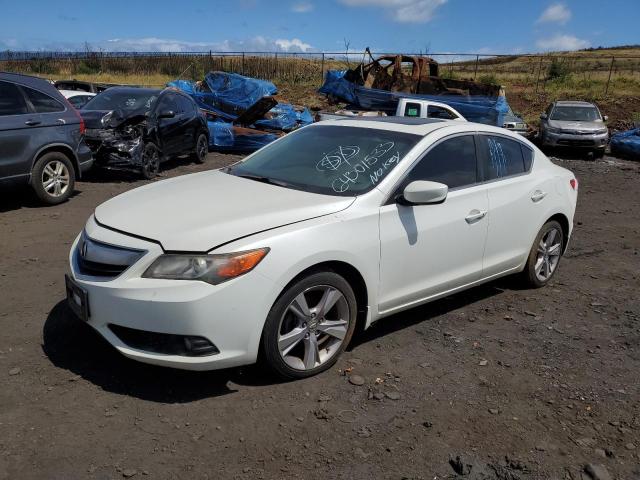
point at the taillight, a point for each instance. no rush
(574, 183)
(75, 110)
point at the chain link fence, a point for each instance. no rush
(591, 73)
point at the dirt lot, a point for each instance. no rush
(520, 384)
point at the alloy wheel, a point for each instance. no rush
(548, 256)
(313, 327)
(202, 148)
(55, 178)
(150, 162)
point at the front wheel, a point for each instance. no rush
(544, 256)
(150, 161)
(309, 326)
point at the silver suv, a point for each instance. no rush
(574, 124)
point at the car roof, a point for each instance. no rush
(24, 79)
(75, 93)
(135, 90)
(416, 126)
(574, 103)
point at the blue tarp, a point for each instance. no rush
(476, 108)
(227, 95)
(627, 143)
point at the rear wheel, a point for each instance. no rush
(202, 149)
(150, 161)
(309, 326)
(545, 255)
(53, 178)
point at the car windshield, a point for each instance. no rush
(575, 114)
(128, 101)
(332, 160)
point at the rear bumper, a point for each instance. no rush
(85, 158)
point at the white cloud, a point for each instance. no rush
(561, 42)
(555, 13)
(404, 11)
(302, 7)
(293, 45)
(154, 44)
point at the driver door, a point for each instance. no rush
(427, 250)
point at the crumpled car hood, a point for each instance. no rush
(201, 211)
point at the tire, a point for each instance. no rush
(150, 161)
(201, 150)
(598, 153)
(540, 267)
(53, 178)
(306, 347)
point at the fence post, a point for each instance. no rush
(606, 90)
(539, 70)
(275, 71)
(322, 69)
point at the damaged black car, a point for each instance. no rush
(138, 128)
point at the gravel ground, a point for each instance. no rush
(519, 384)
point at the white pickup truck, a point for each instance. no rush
(412, 107)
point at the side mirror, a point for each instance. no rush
(543, 116)
(605, 118)
(167, 114)
(422, 192)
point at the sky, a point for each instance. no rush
(412, 26)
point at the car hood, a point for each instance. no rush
(582, 126)
(93, 118)
(201, 211)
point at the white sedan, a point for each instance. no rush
(77, 98)
(338, 224)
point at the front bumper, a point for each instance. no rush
(231, 315)
(594, 141)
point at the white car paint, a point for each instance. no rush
(421, 109)
(406, 255)
(69, 94)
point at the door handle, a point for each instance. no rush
(475, 215)
(538, 195)
(32, 123)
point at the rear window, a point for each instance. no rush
(503, 157)
(11, 100)
(43, 103)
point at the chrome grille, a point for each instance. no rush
(99, 259)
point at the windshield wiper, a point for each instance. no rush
(262, 179)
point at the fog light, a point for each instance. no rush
(198, 346)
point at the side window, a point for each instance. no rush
(412, 109)
(549, 108)
(11, 100)
(527, 154)
(502, 157)
(168, 102)
(185, 104)
(452, 162)
(43, 103)
(439, 112)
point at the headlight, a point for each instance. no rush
(602, 131)
(106, 119)
(554, 130)
(213, 269)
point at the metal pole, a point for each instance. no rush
(606, 90)
(275, 73)
(539, 70)
(475, 73)
(322, 70)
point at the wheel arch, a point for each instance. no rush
(351, 274)
(62, 148)
(562, 219)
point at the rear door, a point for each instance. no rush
(15, 135)
(516, 201)
(191, 123)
